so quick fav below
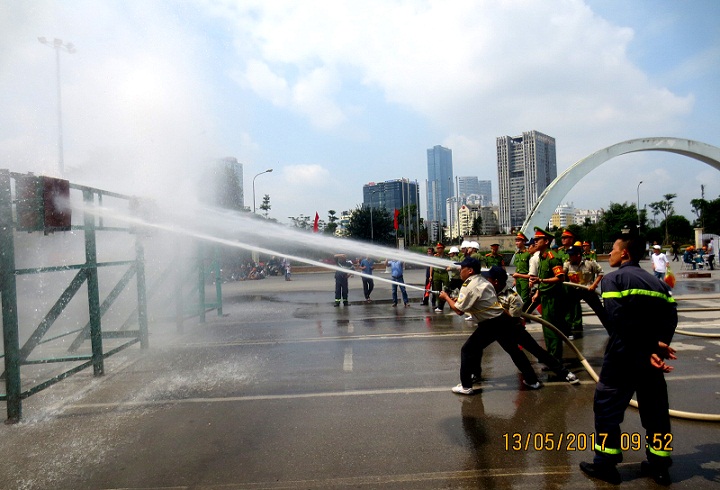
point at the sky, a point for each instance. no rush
(335, 94)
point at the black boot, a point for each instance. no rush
(604, 472)
(657, 473)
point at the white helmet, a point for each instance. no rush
(454, 250)
(475, 245)
(465, 244)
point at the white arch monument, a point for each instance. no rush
(558, 188)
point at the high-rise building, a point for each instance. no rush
(439, 183)
(392, 194)
(485, 192)
(471, 186)
(468, 185)
(526, 166)
(221, 184)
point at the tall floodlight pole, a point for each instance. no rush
(638, 203)
(256, 176)
(69, 48)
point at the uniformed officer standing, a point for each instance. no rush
(588, 273)
(642, 317)
(494, 257)
(522, 267)
(549, 279)
(566, 240)
(588, 252)
(440, 279)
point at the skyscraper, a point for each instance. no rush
(439, 183)
(485, 192)
(526, 166)
(468, 185)
(391, 195)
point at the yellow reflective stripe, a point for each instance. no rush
(637, 292)
(664, 454)
(607, 450)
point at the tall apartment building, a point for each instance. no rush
(439, 183)
(526, 166)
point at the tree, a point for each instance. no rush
(331, 225)
(382, 225)
(711, 216)
(476, 228)
(265, 206)
(665, 207)
(679, 228)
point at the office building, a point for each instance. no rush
(439, 184)
(221, 184)
(391, 195)
(526, 166)
(470, 186)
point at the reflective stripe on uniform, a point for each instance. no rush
(606, 450)
(662, 454)
(637, 292)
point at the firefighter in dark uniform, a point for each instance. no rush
(642, 317)
(522, 267)
(494, 257)
(549, 281)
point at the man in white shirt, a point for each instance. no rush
(659, 261)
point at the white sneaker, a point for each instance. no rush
(533, 386)
(468, 318)
(438, 310)
(572, 379)
(462, 391)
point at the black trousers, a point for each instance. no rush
(498, 329)
(341, 288)
(368, 286)
(613, 392)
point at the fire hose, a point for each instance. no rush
(673, 413)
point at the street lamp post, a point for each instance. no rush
(372, 200)
(69, 48)
(638, 204)
(263, 172)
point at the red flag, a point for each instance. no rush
(395, 223)
(315, 224)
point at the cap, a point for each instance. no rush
(540, 233)
(454, 250)
(474, 264)
(475, 245)
(586, 243)
(495, 272)
(657, 247)
(574, 250)
(567, 233)
(494, 244)
(521, 236)
(440, 245)
(465, 244)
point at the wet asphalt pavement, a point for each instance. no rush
(286, 391)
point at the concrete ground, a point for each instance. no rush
(285, 391)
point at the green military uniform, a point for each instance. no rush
(522, 266)
(492, 259)
(552, 301)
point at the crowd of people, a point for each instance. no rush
(637, 310)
